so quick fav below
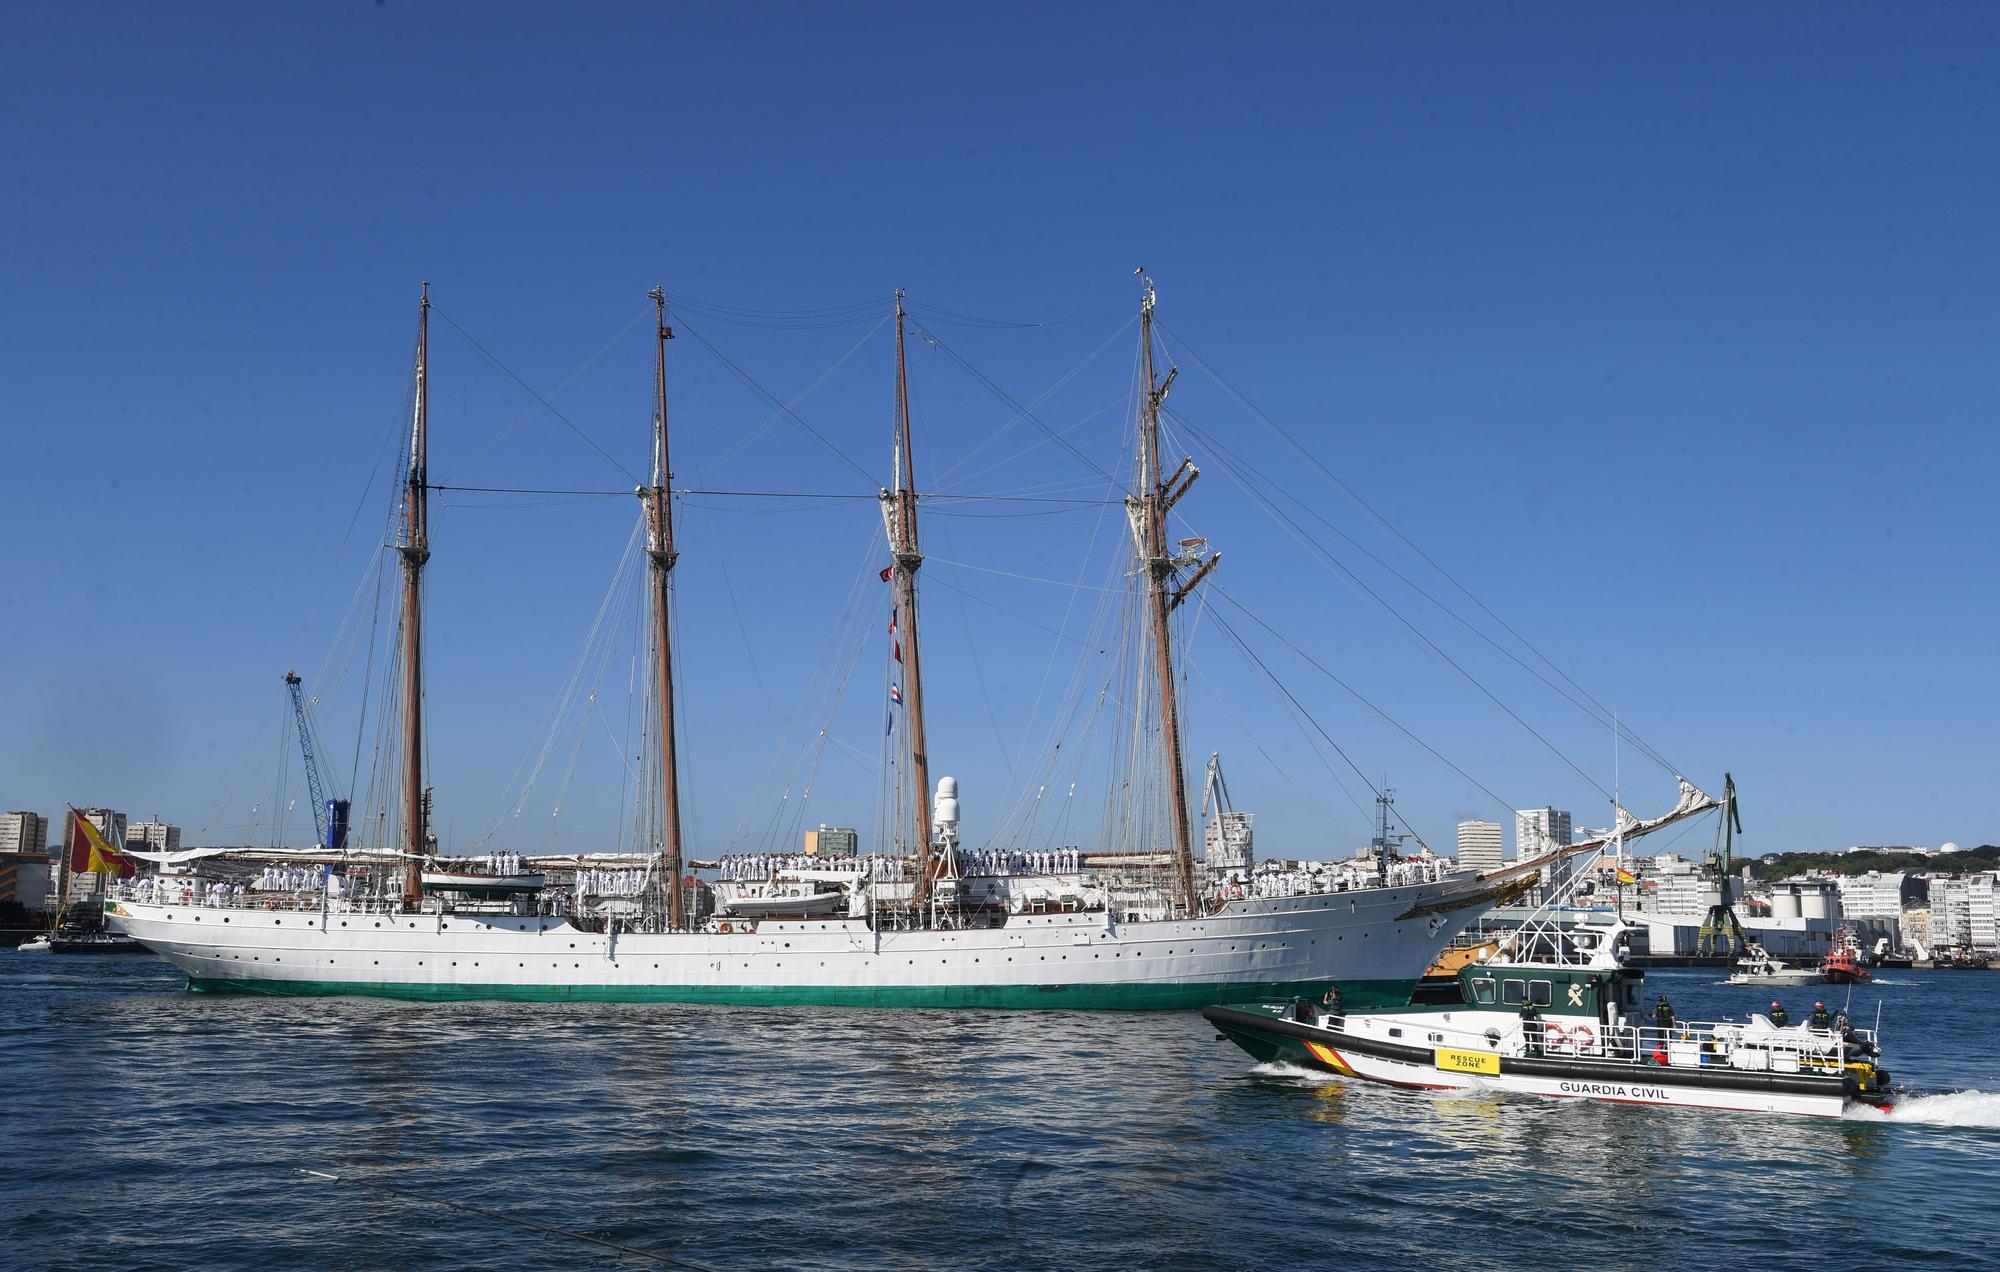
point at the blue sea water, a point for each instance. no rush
(146, 1128)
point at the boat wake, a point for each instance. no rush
(1293, 1073)
(1958, 1108)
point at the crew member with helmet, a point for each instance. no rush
(1663, 1014)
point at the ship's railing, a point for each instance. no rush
(211, 896)
(1755, 1046)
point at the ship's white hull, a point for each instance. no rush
(1375, 942)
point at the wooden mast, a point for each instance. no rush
(660, 548)
(900, 508)
(416, 550)
(1148, 511)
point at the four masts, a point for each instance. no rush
(1147, 508)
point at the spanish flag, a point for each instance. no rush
(91, 853)
(1626, 876)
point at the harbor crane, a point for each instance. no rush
(329, 815)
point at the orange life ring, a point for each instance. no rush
(270, 903)
(1581, 1037)
(726, 928)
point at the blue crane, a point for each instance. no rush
(329, 815)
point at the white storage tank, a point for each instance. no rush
(1785, 901)
(1816, 901)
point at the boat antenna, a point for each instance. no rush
(899, 509)
(415, 550)
(1164, 588)
(660, 552)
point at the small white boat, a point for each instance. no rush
(35, 945)
(792, 899)
(1758, 967)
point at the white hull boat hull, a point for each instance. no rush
(1375, 942)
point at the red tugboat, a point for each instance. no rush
(1844, 963)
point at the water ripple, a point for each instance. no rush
(150, 1129)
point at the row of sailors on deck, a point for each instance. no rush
(1305, 883)
(1056, 861)
(759, 866)
(501, 863)
(288, 878)
(610, 883)
(1416, 870)
(152, 888)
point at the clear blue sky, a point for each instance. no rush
(1670, 330)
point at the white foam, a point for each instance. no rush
(1293, 1072)
(1958, 1108)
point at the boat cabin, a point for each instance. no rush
(1595, 993)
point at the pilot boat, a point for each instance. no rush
(1844, 964)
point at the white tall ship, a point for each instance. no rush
(1139, 924)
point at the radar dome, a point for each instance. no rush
(1949, 848)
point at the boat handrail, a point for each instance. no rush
(1761, 1044)
(281, 900)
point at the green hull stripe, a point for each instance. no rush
(1129, 997)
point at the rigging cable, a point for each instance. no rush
(764, 426)
(1277, 430)
(609, 458)
(1351, 690)
(784, 410)
(514, 424)
(1233, 461)
(1022, 411)
(1437, 651)
(1027, 412)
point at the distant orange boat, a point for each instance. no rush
(1844, 964)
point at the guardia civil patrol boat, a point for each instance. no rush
(1558, 1015)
